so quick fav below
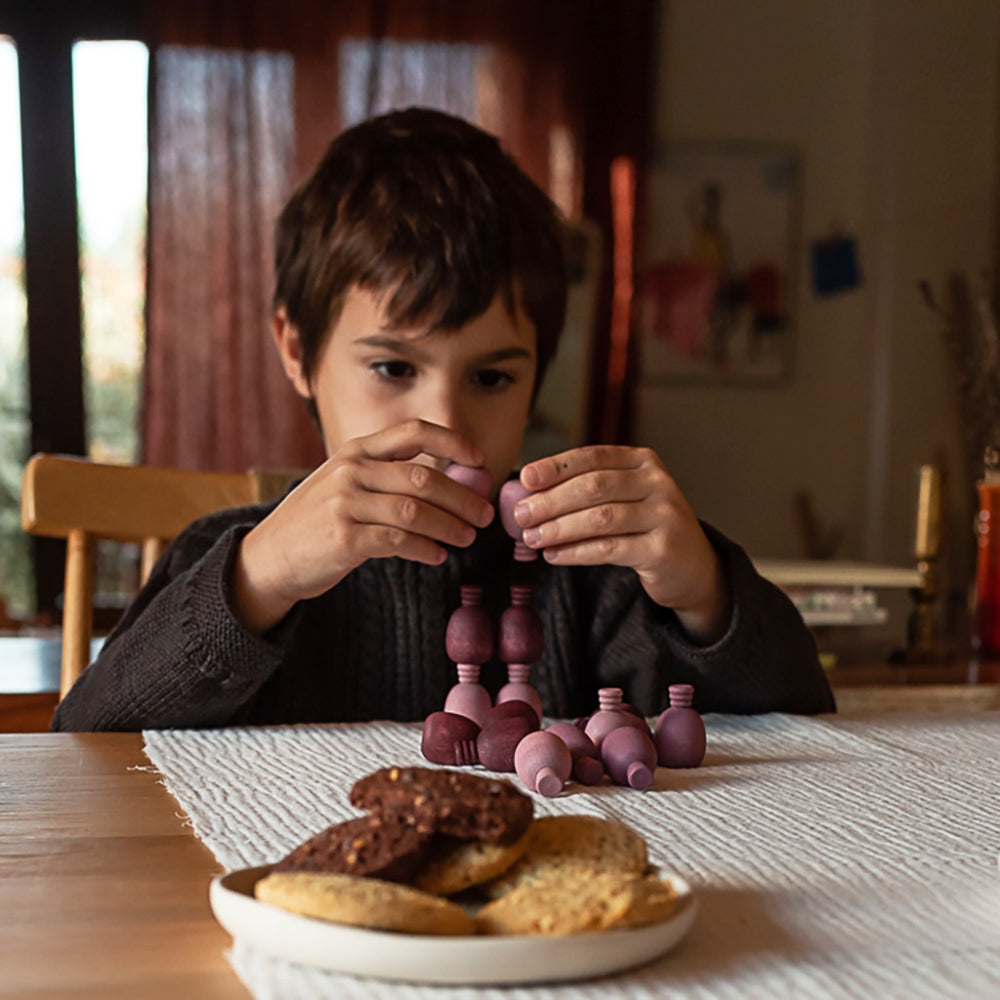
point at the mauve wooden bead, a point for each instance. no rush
(587, 766)
(630, 757)
(449, 739)
(521, 635)
(543, 762)
(510, 493)
(498, 741)
(512, 707)
(469, 637)
(476, 478)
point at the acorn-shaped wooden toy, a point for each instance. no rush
(629, 754)
(510, 493)
(543, 762)
(679, 733)
(521, 642)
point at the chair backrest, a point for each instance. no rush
(83, 501)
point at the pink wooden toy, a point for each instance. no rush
(543, 762)
(587, 766)
(476, 478)
(630, 757)
(680, 731)
(450, 739)
(510, 493)
(608, 716)
(499, 738)
(469, 641)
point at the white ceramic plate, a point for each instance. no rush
(421, 958)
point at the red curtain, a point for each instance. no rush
(245, 95)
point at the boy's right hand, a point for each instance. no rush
(368, 500)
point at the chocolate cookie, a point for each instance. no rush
(381, 847)
(437, 800)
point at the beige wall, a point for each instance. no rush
(893, 107)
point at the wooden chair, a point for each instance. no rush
(83, 501)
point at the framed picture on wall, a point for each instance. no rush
(716, 275)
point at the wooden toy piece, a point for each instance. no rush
(499, 738)
(510, 493)
(475, 477)
(468, 697)
(469, 637)
(543, 762)
(521, 637)
(679, 733)
(450, 739)
(609, 715)
(512, 707)
(588, 768)
(629, 754)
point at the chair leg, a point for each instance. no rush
(77, 608)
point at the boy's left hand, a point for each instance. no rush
(611, 504)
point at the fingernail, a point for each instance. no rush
(522, 512)
(486, 515)
(532, 536)
(529, 476)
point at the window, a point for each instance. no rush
(109, 113)
(16, 577)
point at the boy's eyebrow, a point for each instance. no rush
(407, 347)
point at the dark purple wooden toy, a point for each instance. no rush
(680, 731)
(629, 754)
(499, 738)
(469, 641)
(450, 739)
(512, 707)
(587, 766)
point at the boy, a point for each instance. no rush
(419, 296)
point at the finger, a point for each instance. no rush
(589, 490)
(407, 440)
(554, 469)
(410, 479)
(411, 516)
(609, 550)
(590, 523)
(381, 541)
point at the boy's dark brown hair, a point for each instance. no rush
(429, 209)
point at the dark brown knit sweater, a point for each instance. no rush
(372, 647)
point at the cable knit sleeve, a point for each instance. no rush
(179, 657)
(765, 662)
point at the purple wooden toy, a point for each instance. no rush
(587, 766)
(630, 757)
(680, 731)
(510, 493)
(543, 762)
(476, 478)
(450, 739)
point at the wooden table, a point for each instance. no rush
(103, 890)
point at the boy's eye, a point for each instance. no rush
(492, 378)
(393, 370)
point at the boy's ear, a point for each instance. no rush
(289, 344)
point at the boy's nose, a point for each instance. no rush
(445, 408)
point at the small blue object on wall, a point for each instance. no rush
(835, 265)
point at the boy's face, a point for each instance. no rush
(476, 380)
